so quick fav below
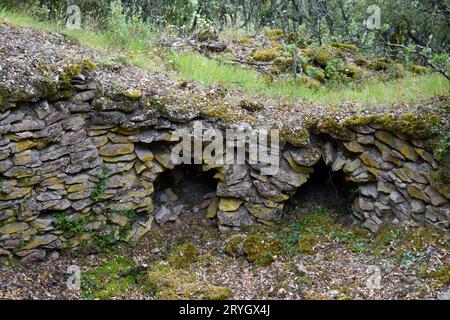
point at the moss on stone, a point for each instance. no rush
(319, 222)
(225, 113)
(265, 55)
(418, 69)
(132, 94)
(245, 40)
(262, 250)
(379, 65)
(208, 292)
(361, 61)
(418, 126)
(442, 276)
(63, 89)
(306, 243)
(276, 70)
(345, 46)
(338, 128)
(167, 283)
(234, 246)
(322, 57)
(308, 52)
(282, 64)
(72, 70)
(352, 71)
(274, 34)
(295, 137)
(183, 255)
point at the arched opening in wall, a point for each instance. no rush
(183, 193)
(324, 190)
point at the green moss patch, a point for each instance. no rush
(104, 282)
(167, 283)
(345, 46)
(261, 250)
(183, 255)
(418, 126)
(265, 55)
(408, 244)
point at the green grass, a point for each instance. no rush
(134, 41)
(406, 90)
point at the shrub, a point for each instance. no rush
(315, 73)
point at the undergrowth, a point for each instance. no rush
(135, 41)
(370, 92)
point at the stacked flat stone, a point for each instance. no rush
(94, 155)
(53, 154)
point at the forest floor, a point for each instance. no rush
(314, 254)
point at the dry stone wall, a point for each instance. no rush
(82, 169)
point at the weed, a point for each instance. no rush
(68, 225)
(99, 187)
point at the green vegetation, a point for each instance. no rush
(174, 276)
(408, 245)
(168, 283)
(68, 225)
(442, 146)
(265, 55)
(99, 187)
(183, 255)
(105, 282)
(370, 92)
(133, 38)
(261, 250)
(126, 33)
(173, 279)
(88, 233)
(441, 276)
(164, 281)
(264, 245)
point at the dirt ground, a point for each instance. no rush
(313, 254)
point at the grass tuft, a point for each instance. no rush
(410, 89)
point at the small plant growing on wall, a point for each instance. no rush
(68, 225)
(99, 188)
